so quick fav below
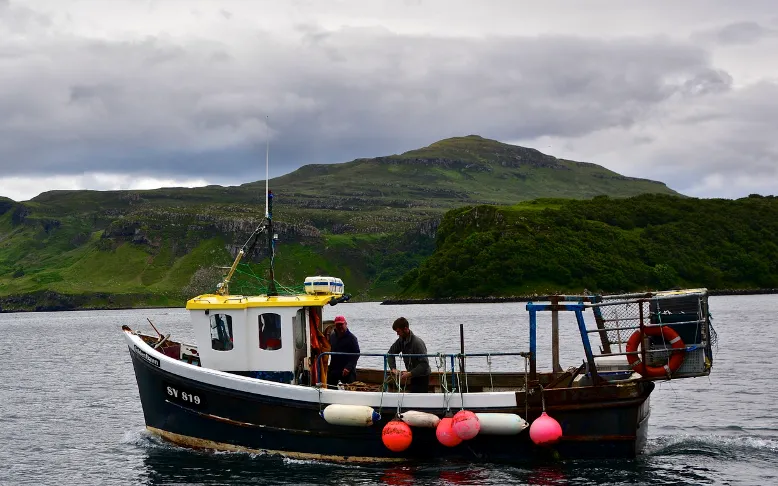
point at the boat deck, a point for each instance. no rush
(371, 380)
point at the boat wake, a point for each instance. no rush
(729, 447)
(310, 462)
(142, 438)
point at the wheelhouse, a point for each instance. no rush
(267, 337)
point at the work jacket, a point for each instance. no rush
(418, 366)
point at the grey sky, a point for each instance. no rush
(142, 94)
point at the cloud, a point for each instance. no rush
(195, 97)
(748, 32)
(19, 188)
(717, 143)
(92, 105)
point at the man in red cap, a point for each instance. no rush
(343, 368)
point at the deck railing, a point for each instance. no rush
(451, 357)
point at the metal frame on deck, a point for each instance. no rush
(579, 303)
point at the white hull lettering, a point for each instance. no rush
(146, 357)
(177, 395)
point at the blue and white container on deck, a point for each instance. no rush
(323, 285)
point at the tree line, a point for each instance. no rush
(602, 245)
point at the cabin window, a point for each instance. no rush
(299, 329)
(221, 332)
(270, 331)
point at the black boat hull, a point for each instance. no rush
(610, 421)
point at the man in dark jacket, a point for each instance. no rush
(342, 368)
(417, 377)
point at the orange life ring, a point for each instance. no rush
(669, 335)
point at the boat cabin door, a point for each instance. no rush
(300, 331)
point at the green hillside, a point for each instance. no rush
(602, 245)
(369, 221)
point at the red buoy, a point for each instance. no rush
(446, 434)
(397, 435)
(465, 424)
(545, 430)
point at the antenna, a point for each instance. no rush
(267, 162)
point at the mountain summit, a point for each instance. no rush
(459, 171)
(478, 150)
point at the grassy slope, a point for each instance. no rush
(360, 207)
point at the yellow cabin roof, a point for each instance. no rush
(214, 301)
(682, 292)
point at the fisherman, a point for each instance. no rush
(343, 368)
(416, 378)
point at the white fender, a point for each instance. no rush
(351, 415)
(501, 423)
(415, 418)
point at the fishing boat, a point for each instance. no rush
(254, 379)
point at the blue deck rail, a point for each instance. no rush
(578, 308)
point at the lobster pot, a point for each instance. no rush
(688, 315)
(684, 311)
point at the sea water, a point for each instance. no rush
(70, 412)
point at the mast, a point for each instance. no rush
(271, 245)
(271, 287)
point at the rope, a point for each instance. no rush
(464, 359)
(383, 389)
(461, 388)
(664, 343)
(669, 354)
(401, 389)
(489, 364)
(251, 282)
(440, 362)
(318, 388)
(713, 336)
(700, 317)
(526, 390)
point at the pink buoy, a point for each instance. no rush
(545, 430)
(397, 435)
(465, 424)
(446, 434)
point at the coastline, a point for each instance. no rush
(543, 297)
(52, 301)
(48, 301)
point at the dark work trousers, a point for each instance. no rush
(335, 375)
(419, 384)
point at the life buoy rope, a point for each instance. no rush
(677, 355)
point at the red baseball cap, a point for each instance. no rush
(340, 319)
